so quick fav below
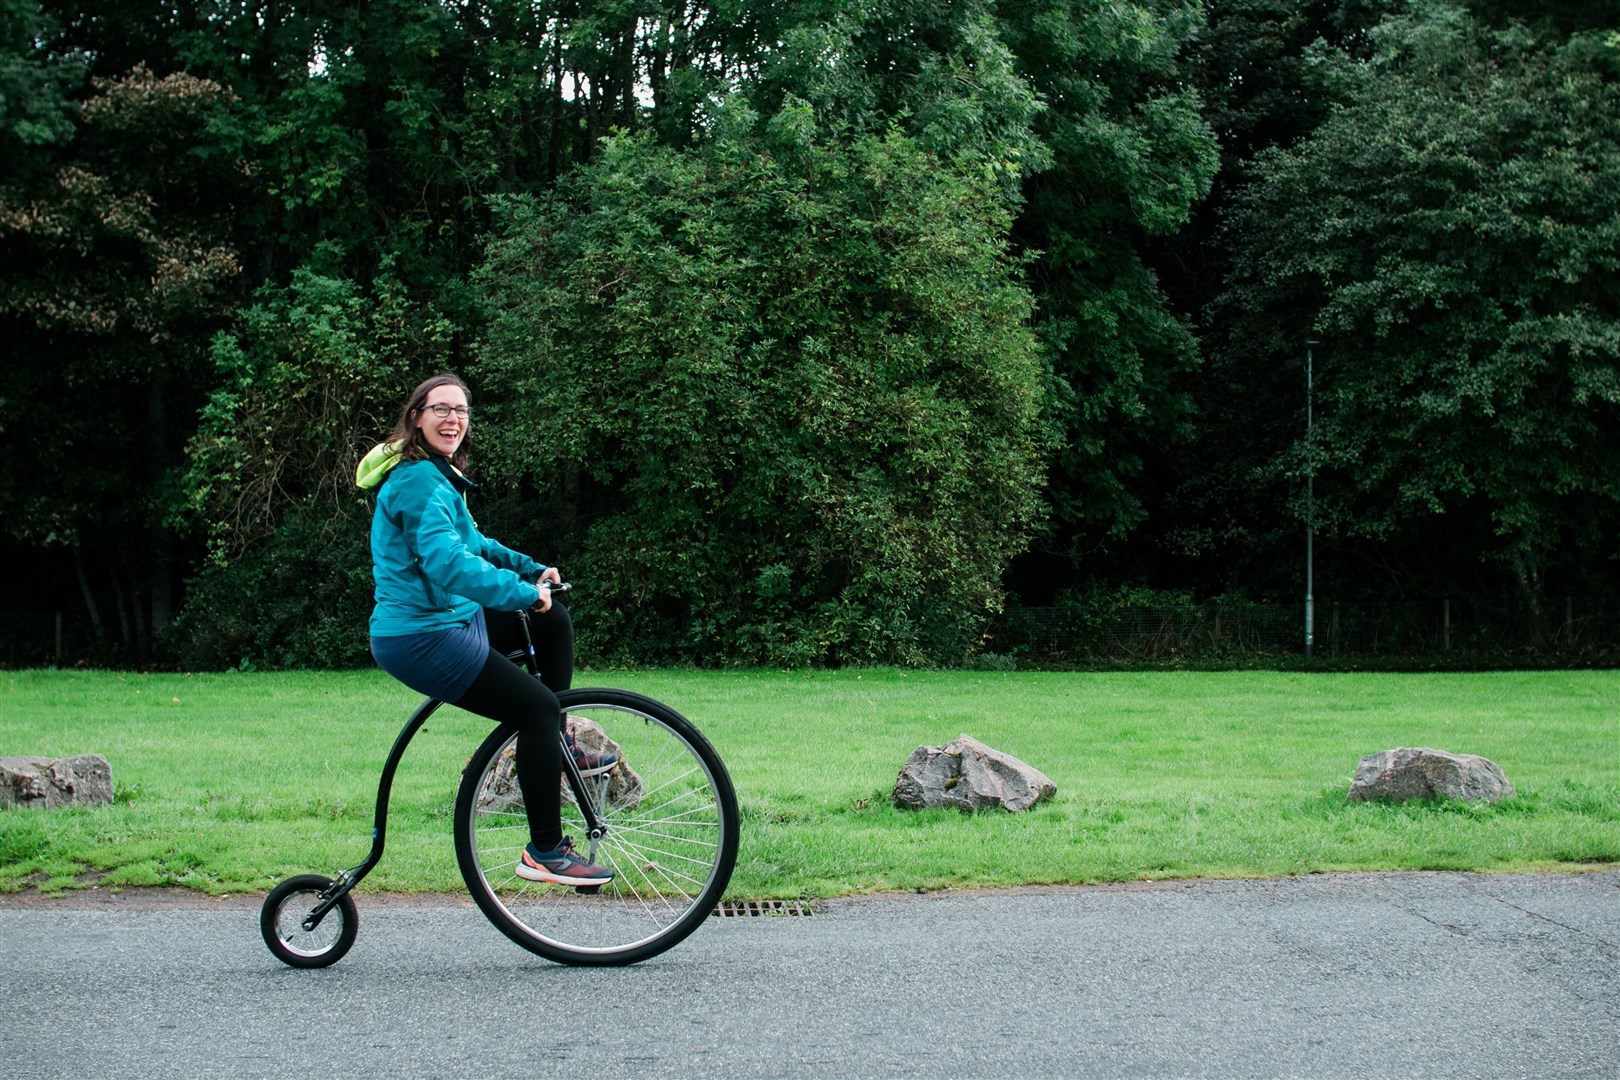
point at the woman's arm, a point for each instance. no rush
(459, 567)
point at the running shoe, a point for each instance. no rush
(590, 763)
(561, 867)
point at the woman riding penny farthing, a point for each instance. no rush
(592, 826)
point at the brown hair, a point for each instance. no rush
(409, 436)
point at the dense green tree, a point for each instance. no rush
(116, 268)
(1083, 114)
(378, 132)
(1449, 234)
(781, 388)
(232, 233)
(1216, 530)
(301, 394)
(942, 73)
(37, 106)
(1130, 155)
(659, 68)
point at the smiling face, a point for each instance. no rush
(443, 434)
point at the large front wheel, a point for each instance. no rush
(669, 816)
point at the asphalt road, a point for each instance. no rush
(1355, 976)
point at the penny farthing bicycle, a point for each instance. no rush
(664, 819)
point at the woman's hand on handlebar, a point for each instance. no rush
(550, 582)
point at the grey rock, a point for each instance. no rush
(624, 788)
(47, 783)
(968, 775)
(1421, 773)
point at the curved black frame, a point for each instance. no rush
(346, 880)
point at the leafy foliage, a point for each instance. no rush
(302, 599)
(1450, 233)
(229, 232)
(781, 389)
(1131, 154)
(116, 266)
(271, 480)
(294, 411)
(36, 106)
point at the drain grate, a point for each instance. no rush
(737, 909)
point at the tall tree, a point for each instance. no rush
(781, 387)
(1083, 113)
(410, 120)
(118, 267)
(1450, 236)
(1131, 154)
(1217, 529)
(38, 84)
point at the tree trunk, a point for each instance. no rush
(118, 600)
(555, 111)
(89, 597)
(1527, 575)
(162, 583)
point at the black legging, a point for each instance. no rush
(505, 692)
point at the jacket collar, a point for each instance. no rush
(457, 479)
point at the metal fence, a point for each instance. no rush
(1570, 628)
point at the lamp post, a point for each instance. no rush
(1310, 513)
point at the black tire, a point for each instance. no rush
(282, 916)
(671, 839)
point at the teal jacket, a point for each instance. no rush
(432, 567)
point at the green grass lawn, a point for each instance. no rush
(230, 782)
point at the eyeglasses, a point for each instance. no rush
(441, 410)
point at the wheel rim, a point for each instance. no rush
(290, 925)
(665, 833)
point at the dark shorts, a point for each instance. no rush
(441, 664)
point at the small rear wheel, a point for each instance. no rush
(670, 818)
(281, 921)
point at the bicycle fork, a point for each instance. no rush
(585, 798)
(329, 899)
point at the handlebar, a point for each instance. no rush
(552, 588)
